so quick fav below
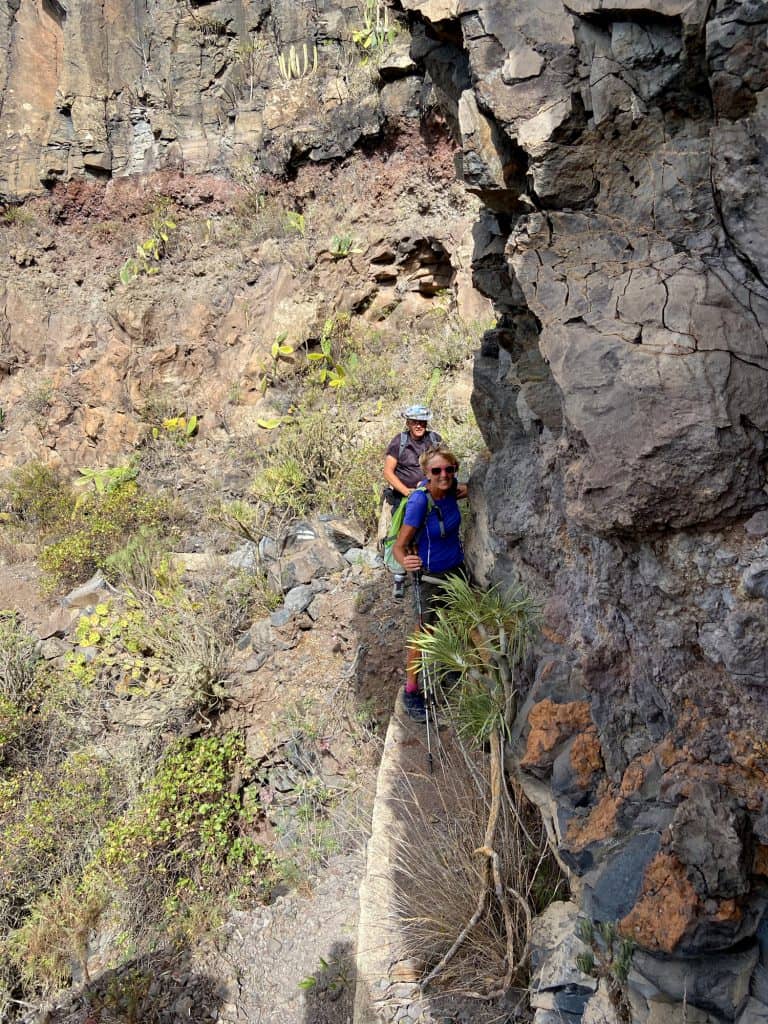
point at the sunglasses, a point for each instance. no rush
(437, 470)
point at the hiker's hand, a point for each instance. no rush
(462, 491)
(412, 563)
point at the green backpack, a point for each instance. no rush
(397, 521)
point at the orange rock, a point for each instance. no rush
(635, 774)
(666, 908)
(552, 635)
(586, 757)
(552, 724)
(728, 910)
(600, 824)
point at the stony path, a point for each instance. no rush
(270, 951)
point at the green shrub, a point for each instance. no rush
(450, 344)
(153, 249)
(11, 726)
(477, 642)
(142, 563)
(48, 821)
(372, 374)
(97, 526)
(38, 496)
(315, 465)
(356, 490)
(376, 32)
(188, 838)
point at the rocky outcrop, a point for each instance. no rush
(119, 91)
(623, 398)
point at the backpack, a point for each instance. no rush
(397, 521)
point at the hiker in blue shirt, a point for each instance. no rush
(429, 542)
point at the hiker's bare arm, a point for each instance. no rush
(390, 462)
(400, 549)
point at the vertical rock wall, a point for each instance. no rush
(619, 149)
(101, 90)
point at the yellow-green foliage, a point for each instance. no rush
(151, 250)
(47, 820)
(316, 465)
(142, 563)
(97, 525)
(11, 725)
(452, 341)
(117, 633)
(38, 496)
(180, 428)
(376, 32)
(189, 831)
(79, 531)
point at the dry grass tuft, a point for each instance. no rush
(442, 887)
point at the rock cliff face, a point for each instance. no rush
(618, 149)
(623, 397)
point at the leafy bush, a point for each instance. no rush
(452, 342)
(142, 563)
(38, 496)
(153, 249)
(95, 528)
(356, 490)
(376, 32)
(477, 642)
(49, 820)
(107, 479)
(11, 726)
(372, 374)
(315, 465)
(190, 832)
(79, 531)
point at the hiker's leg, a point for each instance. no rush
(411, 665)
(429, 595)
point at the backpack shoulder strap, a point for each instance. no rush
(434, 439)
(403, 442)
(431, 506)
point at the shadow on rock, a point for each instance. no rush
(330, 995)
(163, 988)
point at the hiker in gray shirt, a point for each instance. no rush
(401, 462)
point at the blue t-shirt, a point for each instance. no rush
(437, 553)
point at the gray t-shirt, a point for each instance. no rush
(408, 469)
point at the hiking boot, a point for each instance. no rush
(398, 588)
(414, 706)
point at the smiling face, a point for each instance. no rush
(440, 475)
(416, 428)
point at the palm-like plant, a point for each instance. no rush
(479, 638)
(476, 643)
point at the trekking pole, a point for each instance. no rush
(424, 670)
